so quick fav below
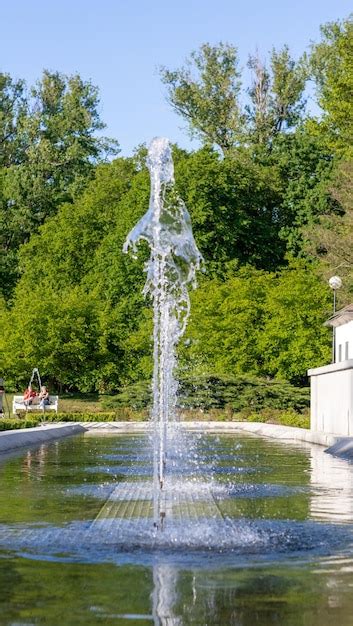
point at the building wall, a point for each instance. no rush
(332, 399)
(344, 342)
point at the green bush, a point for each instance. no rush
(273, 416)
(137, 397)
(238, 393)
(212, 392)
(126, 415)
(123, 415)
(15, 423)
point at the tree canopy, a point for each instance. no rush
(270, 197)
(49, 152)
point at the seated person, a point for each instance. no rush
(43, 397)
(29, 395)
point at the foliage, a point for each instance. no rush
(305, 165)
(121, 415)
(51, 148)
(277, 416)
(210, 392)
(16, 423)
(76, 313)
(137, 396)
(12, 111)
(330, 239)
(240, 393)
(293, 337)
(270, 199)
(234, 204)
(260, 323)
(276, 95)
(332, 66)
(206, 92)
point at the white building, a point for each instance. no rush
(332, 385)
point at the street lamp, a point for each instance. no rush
(335, 283)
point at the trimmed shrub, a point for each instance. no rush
(124, 415)
(137, 397)
(272, 416)
(237, 394)
(15, 423)
(211, 392)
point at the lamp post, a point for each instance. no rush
(335, 283)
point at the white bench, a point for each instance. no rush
(18, 404)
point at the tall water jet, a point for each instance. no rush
(171, 269)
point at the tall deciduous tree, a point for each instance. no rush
(276, 95)
(13, 108)
(332, 67)
(59, 150)
(268, 324)
(205, 92)
(331, 238)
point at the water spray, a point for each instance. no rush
(171, 269)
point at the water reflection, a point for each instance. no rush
(332, 487)
(289, 596)
(299, 503)
(165, 596)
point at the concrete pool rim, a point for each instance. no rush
(21, 438)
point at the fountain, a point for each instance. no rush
(170, 270)
(178, 527)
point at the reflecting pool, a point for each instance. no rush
(257, 532)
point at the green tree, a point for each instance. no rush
(74, 269)
(276, 95)
(260, 323)
(330, 238)
(57, 331)
(60, 149)
(293, 337)
(234, 204)
(13, 107)
(332, 67)
(205, 92)
(226, 321)
(305, 166)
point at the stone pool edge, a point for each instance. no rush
(24, 437)
(257, 428)
(335, 444)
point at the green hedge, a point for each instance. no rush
(113, 416)
(237, 394)
(15, 423)
(38, 418)
(212, 392)
(284, 418)
(137, 397)
(270, 416)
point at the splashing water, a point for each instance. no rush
(171, 269)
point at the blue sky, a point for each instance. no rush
(119, 45)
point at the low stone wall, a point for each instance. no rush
(115, 428)
(276, 431)
(337, 445)
(257, 428)
(12, 439)
(342, 448)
